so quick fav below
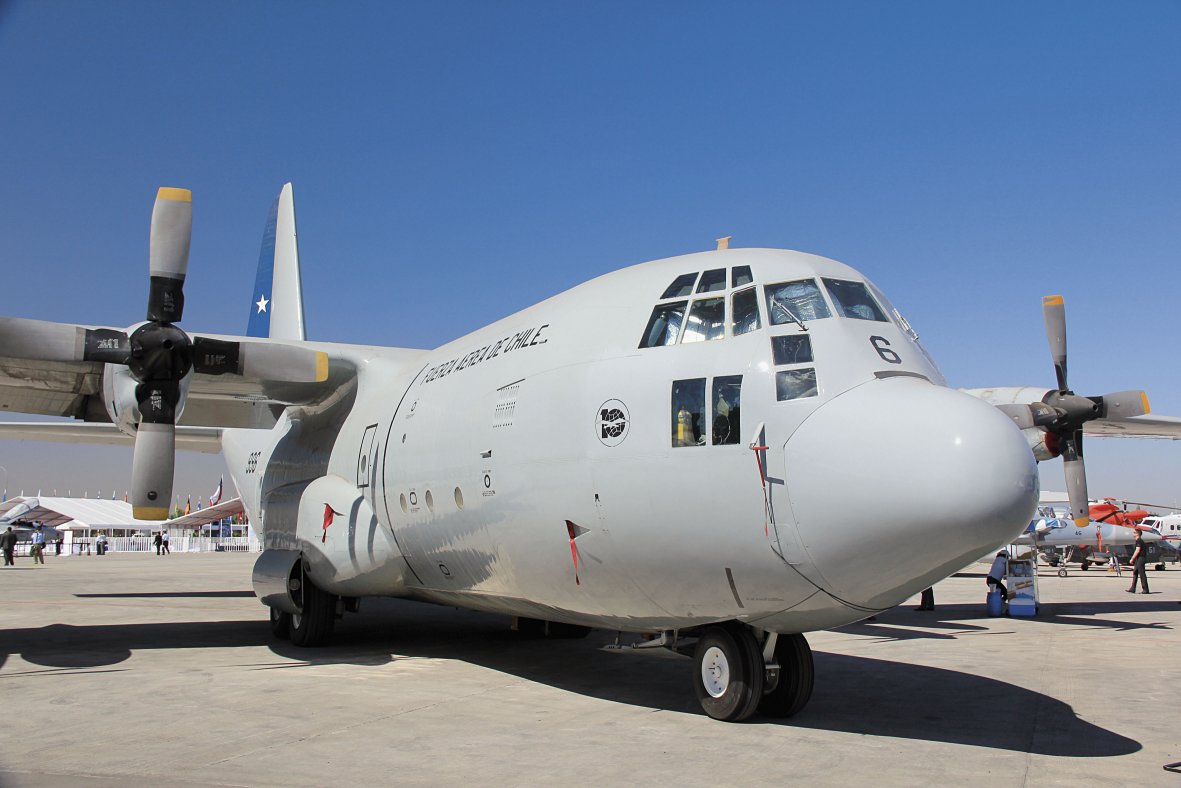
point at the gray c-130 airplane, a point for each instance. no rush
(722, 450)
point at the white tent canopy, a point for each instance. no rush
(72, 514)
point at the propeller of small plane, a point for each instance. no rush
(1062, 413)
(159, 355)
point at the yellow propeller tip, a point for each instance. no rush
(1144, 401)
(1052, 300)
(149, 512)
(174, 194)
(321, 367)
(1082, 522)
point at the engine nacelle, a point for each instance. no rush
(1044, 444)
(119, 397)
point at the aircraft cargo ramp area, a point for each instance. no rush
(136, 670)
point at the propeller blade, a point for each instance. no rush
(1123, 404)
(151, 471)
(155, 449)
(1054, 311)
(172, 229)
(263, 361)
(45, 341)
(1076, 477)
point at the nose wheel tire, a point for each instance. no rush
(313, 625)
(728, 673)
(280, 624)
(796, 675)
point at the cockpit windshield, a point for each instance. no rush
(852, 299)
(792, 302)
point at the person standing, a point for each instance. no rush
(8, 545)
(1139, 562)
(38, 549)
(927, 601)
(1000, 565)
(164, 543)
(157, 541)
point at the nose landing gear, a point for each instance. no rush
(736, 673)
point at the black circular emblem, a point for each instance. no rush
(611, 422)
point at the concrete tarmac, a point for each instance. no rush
(135, 670)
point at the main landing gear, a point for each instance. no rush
(313, 625)
(736, 673)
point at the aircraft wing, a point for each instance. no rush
(1136, 427)
(199, 439)
(57, 369)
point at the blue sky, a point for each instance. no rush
(454, 162)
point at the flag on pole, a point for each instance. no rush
(216, 497)
(198, 503)
(188, 505)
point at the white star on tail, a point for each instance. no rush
(262, 304)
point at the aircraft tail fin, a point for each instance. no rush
(277, 308)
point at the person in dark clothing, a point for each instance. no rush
(1139, 560)
(158, 541)
(8, 544)
(927, 601)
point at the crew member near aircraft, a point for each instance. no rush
(38, 549)
(1139, 559)
(8, 545)
(1000, 565)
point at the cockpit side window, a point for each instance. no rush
(712, 280)
(744, 311)
(681, 286)
(800, 300)
(727, 407)
(688, 412)
(707, 320)
(740, 275)
(852, 299)
(664, 325)
(795, 383)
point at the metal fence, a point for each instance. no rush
(177, 544)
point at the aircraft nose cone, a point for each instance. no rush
(898, 483)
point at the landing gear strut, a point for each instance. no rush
(732, 679)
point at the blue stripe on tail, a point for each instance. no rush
(260, 307)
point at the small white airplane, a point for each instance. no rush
(724, 450)
(1090, 544)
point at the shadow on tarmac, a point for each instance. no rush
(853, 694)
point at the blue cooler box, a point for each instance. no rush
(996, 605)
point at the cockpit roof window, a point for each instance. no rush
(852, 299)
(740, 275)
(714, 279)
(790, 302)
(663, 325)
(681, 286)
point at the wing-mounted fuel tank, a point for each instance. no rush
(347, 550)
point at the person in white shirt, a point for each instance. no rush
(996, 574)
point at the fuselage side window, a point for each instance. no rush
(714, 279)
(795, 383)
(792, 349)
(800, 299)
(664, 325)
(852, 299)
(688, 412)
(744, 310)
(681, 286)
(706, 321)
(740, 275)
(727, 407)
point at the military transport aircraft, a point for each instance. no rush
(723, 450)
